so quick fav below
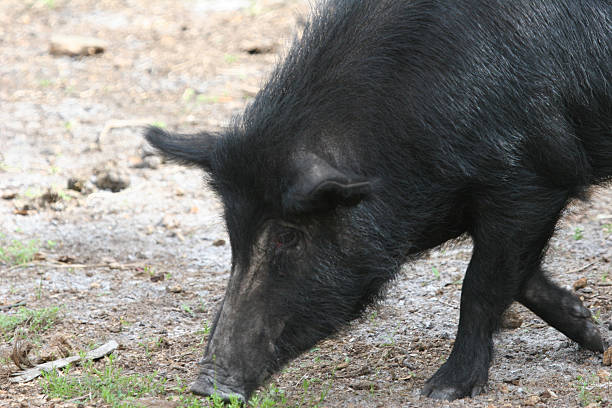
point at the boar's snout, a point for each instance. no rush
(214, 381)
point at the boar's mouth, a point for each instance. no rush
(213, 379)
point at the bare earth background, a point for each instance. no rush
(146, 265)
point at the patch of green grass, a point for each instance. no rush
(207, 98)
(372, 317)
(436, 273)
(108, 384)
(203, 333)
(188, 94)
(585, 386)
(49, 3)
(36, 321)
(608, 229)
(161, 125)
(187, 309)
(32, 192)
(18, 253)
(272, 397)
(578, 233)
(230, 59)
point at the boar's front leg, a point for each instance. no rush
(510, 232)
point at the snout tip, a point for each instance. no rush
(206, 387)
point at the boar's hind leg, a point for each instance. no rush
(510, 235)
(562, 310)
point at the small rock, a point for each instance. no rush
(175, 289)
(610, 325)
(66, 259)
(49, 197)
(532, 400)
(580, 283)
(363, 385)
(503, 388)
(82, 186)
(548, 394)
(152, 162)
(157, 277)
(603, 375)
(111, 179)
(168, 222)
(511, 320)
(514, 381)
(75, 184)
(115, 328)
(407, 362)
(95, 285)
(25, 210)
(260, 47)
(59, 206)
(219, 242)
(74, 46)
(607, 357)
(39, 256)
(59, 347)
(9, 195)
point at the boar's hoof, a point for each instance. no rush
(449, 392)
(583, 330)
(205, 386)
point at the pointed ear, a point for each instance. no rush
(191, 150)
(318, 186)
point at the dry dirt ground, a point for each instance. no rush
(147, 265)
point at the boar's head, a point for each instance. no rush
(306, 257)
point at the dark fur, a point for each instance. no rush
(453, 116)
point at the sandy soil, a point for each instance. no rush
(192, 65)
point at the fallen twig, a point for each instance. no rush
(115, 124)
(447, 304)
(57, 264)
(582, 268)
(7, 307)
(30, 374)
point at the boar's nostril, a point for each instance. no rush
(206, 386)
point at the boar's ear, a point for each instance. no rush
(187, 149)
(319, 187)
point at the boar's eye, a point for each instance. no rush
(287, 238)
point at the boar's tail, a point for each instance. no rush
(192, 150)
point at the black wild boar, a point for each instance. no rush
(391, 127)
